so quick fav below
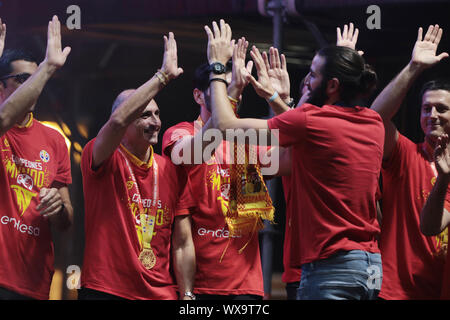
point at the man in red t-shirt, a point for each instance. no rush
(136, 237)
(336, 159)
(412, 262)
(228, 266)
(34, 173)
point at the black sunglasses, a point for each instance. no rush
(20, 78)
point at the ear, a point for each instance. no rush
(333, 87)
(199, 97)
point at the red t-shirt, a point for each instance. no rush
(111, 257)
(237, 273)
(337, 153)
(290, 274)
(32, 157)
(411, 268)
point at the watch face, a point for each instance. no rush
(218, 68)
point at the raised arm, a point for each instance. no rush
(20, 102)
(239, 81)
(219, 50)
(390, 99)
(111, 134)
(434, 218)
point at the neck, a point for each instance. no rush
(204, 114)
(428, 148)
(24, 120)
(139, 150)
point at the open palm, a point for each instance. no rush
(424, 52)
(55, 56)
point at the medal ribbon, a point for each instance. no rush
(147, 220)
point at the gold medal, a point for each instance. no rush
(147, 258)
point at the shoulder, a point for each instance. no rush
(180, 127)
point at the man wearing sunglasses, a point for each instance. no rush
(34, 173)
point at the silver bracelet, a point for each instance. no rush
(190, 295)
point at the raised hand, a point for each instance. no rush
(2, 36)
(170, 60)
(263, 85)
(277, 72)
(442, 155)
(220, 46)
(55, 56)
(238, 80)
(348, 38)
(424, 52)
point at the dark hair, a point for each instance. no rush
(11, 55)
(201, 75)
(356, 78)
(437, 84)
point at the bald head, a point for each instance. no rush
(124, 95)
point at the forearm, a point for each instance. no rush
(278, 106)
(434, 218)
(222, 115)
(390, 99)
(133, 106)
(183, 251)
(20, 102)
(184, 267)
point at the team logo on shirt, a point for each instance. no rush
(44, 156)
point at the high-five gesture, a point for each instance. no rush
(2, 36)
(170, 60)
(55, 56)
(348, 37)
(239, 80)
(277, 72)
(220, 46)
(424, 52)
(263, 85)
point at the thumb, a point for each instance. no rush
(442, 56)
(249, 67)
(66, 51)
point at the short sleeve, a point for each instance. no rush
(175, 133)
(63, 172)
(289, 127)
(186, 202)
(86, 161)
(398, 161)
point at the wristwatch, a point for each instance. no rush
(190, 295)
(290, 103)
(217, 68)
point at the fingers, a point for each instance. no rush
(434, 34)
(420, 34)
(283, 62)
(2, 30)
(50, 202)
(338, 34)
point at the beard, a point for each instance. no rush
(318, 96)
